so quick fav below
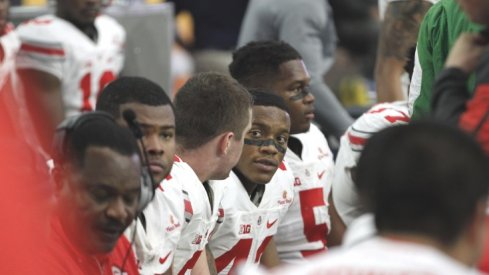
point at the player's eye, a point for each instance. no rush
(130, 199)
(282, 139)
(99, 194)
(166, 135)
(255, 133)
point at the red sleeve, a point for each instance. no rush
(475, 119)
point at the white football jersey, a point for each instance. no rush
(305, 227)
(55, 46)
(200, 217)
(380, 116)
(246, 229)
(10, 44)
(155, 245)
(378, 256)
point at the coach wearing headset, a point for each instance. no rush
(98, 186)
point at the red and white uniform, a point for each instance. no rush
(10, 44)
(378, 256)
(246, 229)
(55, 46)
(155, 246)
(63, 256)
(200, 217)
(305, 227)
(380, 116)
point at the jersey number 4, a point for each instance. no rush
(240, 252)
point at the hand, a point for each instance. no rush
(467, 52)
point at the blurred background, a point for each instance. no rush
(170, 40)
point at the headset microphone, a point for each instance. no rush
(148, 185)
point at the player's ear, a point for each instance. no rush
(224, 143)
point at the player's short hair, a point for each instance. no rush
(208, 105)
(264, 97)
(97, 132)
(423, 178)
(129, 89)
(257, 63)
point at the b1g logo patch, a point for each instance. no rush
(244, 229)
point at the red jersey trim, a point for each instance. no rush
(356, 140)
(42, 50)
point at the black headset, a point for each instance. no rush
(60, 146)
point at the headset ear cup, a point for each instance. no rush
(147, 190)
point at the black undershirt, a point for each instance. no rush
(295, 145)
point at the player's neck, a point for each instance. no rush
(198, 159)
(249, 186)
(255, 191)
(88, 29)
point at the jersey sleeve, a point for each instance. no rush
(380, 116)
(40, 48)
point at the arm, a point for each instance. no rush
(338, 228)
(169, 271)
(204, 266)
(398, 35)
(309, 29)
(450, 93)
(270, 256)
(43, 97)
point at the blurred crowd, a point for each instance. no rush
(286, 137)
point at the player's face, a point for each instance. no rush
(265, 144)
(476, 10)
(100, 199)
(80, 12)
(4, 13)
(234, 152)
(158, 126)
(292, 86)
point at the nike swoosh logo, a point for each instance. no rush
(163, 260)
(320, 175)
(270, 224)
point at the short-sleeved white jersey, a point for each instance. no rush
(380, 116)
(55, 46)
(246, 229)
(378, 256)
(155, 244)
(305, 227)
(200, 217)
(10, 44)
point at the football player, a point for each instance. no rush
(278, 67)
(157, 230)
(259, 190)
(213, 114)
(67, 58)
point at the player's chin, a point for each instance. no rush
(262, 177)
(88, 16)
